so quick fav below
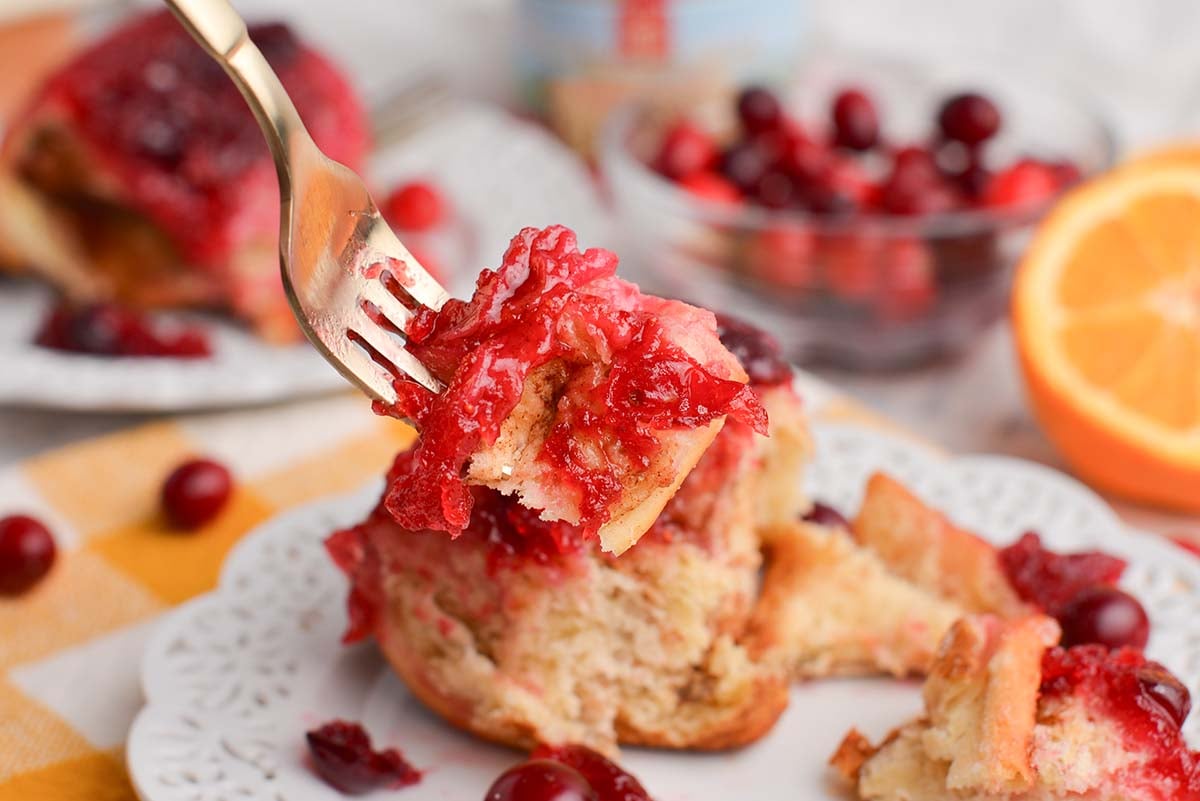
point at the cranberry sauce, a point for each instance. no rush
(164, 118)
(342, 755)
(1051, 580)
(1143, 698)
(757, 351)
(108, 330)
(623, 380)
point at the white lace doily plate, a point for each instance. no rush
(502, 174)
(234, 679)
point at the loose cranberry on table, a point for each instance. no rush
(105, 329)
(415, 206)
(342, 755)
(27, 553)
(1105, 616)
(195, 493)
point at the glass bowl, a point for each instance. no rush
(869, 291)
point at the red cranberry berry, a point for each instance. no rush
(745, 164)
(912, 198)
(759, 110)
(710, 186)
(609, 781)
(686, 150)
(969, 118)
(776, 190)
(342, 755)
(825, 515)
(1023, 183)
(416, 206)
(1166, 692)
(195, 493)
(973, 180)
(27, 553)
(855, 121)
(803, 158)
(756, 350)
(1106, 616)
(541, 780)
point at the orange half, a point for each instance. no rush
(1107, 319)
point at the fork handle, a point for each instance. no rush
(220, 30)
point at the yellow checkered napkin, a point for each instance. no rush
(69, 650)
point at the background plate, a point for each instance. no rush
(502, 173)
(234, 679)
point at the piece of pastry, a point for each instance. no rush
(525, 631)
(877, 594)
(567, 388)
(138, 174)
(1011, 717)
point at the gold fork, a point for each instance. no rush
(351, 283)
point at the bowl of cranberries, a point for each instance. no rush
(867, 214)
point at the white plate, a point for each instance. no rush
(502, 174)
(234, 679)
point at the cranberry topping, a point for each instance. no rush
(969, 118)
(1104, 615)
(27, 553)
(195, 493)
(824, 515)
(757, 351)
(177, 136)
(342, 755)
(1051, 580)
(855, 121)
(549, 303)
(607, 779)
(108, 330)
(1146, 702)
(687, 149)
(541, 780)
(416, 206)
(759, 110)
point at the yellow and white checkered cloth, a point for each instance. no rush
(70, 649)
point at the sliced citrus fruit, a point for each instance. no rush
(1106, 312)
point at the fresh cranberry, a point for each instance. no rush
(1024, 183)
(710, 186)
(909, 286)
(1106, 616)
(916, 159)
(609, 781)
(973, 180)
(969, 118)
(756, 350)
(26, 553)
(855, 121)
(1165, 691)
(825, 515)
(686, 150)
(415, 206)
(1067, 173)
(782, 254)
(802, 158)
(541, 780)
(911, 198)
(759, 109)
(342, 755)
(745, 164)
(195, 493)
(851, 266)
(842, 186)
(776, 190)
